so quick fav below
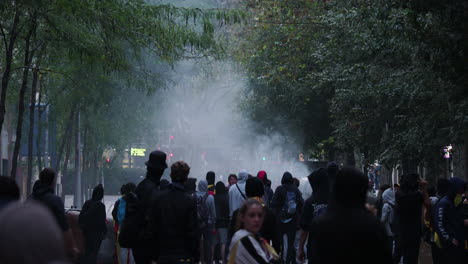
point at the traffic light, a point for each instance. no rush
(264, 158)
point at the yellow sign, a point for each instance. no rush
(137, 152)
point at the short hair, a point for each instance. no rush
(179, 171)
(47, 176)
(8, 189)
(232, 176)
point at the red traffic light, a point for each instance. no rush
(171, 137)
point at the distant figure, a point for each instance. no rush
(191, 185)
(9, 191)
(232, 179)
(388, 216)
(287, 203)
(119, 212)
(43, 192)
(237, 192)
(246, 245)
(206, 220)
(262, 175)
(92, 222)
(30, 235)
(210, 178)
(222, 217)
(346, 232)
(173, 220)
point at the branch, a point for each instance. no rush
(43, 70)
(4, 37)
(291, 23)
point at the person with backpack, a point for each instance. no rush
(287, 203)
(388, 215)
(134, 231)
(92, 221)
(237, 192)
(314, 206)
(119, 211)
(222, 217)
(206, 215)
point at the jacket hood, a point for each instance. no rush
(388, 196)
(287, 178)
(98, 193)
(262, 175)
(210, 177)
(320, 185)
(220, 188)
(203, 186)
(455, 185)
(242, 177)
(350, 189)
(39, 189)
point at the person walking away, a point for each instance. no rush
(92, 222)
(314, 206)
(206, 213)
(380, 202)
(222, 217)
(247, 246)
(173, 220)
(346, 232)
(237, 193)
(9, 191)
(210, 179)
(262, 175)
(388, 215)
(448, 223)
(410, 200)
(287, 204)
(43, 192)
(124, 255)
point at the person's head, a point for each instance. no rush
(319, 182)
(47, 177)
(409, 182)
(203, 186)
(179, 172)
(242, 176)
(9, 190)
(232, 179)
(250, 216)
(220, 188)
(388, 196)
(190, 185)
(456, 187)
(156, 165)
(296, 182)
(287, 178)
(210, 177)
(262, 175)
(396, 187)
(350, 190)
(254, 187)
(98, 193)
(442, 187)
(131, 187)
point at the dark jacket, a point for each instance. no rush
(268, 196)
(94, 211)
(279, 198)
(222, 206)
(448, 217)
(45, 195)
(408, 211)
(173, 219)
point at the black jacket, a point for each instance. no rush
(279, 198)
(222, 210)
(45, 195)
(95, 212)
(173, 221)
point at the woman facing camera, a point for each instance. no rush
(246, 245)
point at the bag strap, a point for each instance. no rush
(245, 198)
(205, 197)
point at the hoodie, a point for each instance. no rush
(210, 203)
(388, 213)
(448, 217)
(279, 199)
(44, 194)
(237, 193)
(93, 214)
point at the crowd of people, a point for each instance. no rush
(243, 220)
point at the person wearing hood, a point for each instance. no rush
(387, 215)
(448, 223)
(346, 232)
(92, 222)
(222, 217)
(210, 179)
(43, 192)
(262, 175)
(30, 235)
(205, 200)
(287, 203)
(237, 193)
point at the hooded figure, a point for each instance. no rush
(388, 211)
(30, 235)
(92, 221)
(448, 222)
(268, 196)
(209, 230)
(210, 178)
(346, 232)
(237, 193)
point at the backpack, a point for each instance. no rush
(121, 210)
(202, 211)
(290, 205)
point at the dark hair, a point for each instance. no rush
(350, 188)
(180, 171)
(442, 187)
(8, 189)
(210, 177)
(98, 193)
(47, 176)
(431, 191)
(254, 187)
(243, 209)
(190, 185)
(231, 176)
(131, 187)
(220, 188)
(410, 182)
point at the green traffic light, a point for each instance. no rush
(263, 158)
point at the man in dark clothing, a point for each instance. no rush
(92, 221)
(43, 192)
(145, 190)
(448, 223)
(346, 232)
(409, 202)
(9, 191)
(314, 206)
(210, 178)
(287, 203)
(254, 188)
(174, 220)
(262, 175)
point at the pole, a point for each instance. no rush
(77, 201)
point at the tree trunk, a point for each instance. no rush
(39, 130)
(24, 84)
(6, 74)
(66, 136)
(67, 141)
(32, 106)
(77, 201)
